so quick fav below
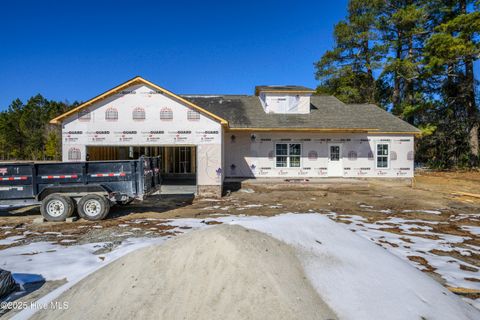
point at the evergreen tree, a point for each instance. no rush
(403, 27)
(25, 132)
(451, 52)
(414, 58)
(347, 71)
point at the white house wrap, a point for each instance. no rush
(278, 132)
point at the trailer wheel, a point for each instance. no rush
(93, 207)
(56, 207)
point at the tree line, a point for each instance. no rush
(414, 58)
(25, 131)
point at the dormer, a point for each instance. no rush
(284, 99)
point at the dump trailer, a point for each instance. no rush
(90, 187)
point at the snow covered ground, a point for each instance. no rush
(415, 243)
(359, 279)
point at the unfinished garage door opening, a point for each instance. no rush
(178, 169)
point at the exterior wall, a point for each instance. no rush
(186, 127)
(247, 157)
(282, 103)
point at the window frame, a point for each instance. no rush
(340, 154)
(288, 155)
(84, 115)
(164, 112)
(109, 111)
(74, 151)
(387, 156)
(139, 110)
(193, 115)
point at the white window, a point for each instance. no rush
(84, 115)
(288, 155)
(193, 115)
(382, 156)
(74, 154)
(111, 114)
(166, 114)
(138, 114)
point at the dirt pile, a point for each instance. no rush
(224, 272)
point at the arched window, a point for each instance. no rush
(166, 114)
(74, 154)
(84, 115)
(410, 156)
(370, 155)
(352, 155)
(271, 155)
(393, 155)
(312, 155)
(193, 115)
(111, 114)
(138, 114)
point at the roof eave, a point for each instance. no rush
(366, 130)
(330, 130)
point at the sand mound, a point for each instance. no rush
(224, 272)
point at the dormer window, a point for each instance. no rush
(284, 99)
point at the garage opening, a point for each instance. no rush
(179, 163)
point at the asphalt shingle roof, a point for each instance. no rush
(326, 112)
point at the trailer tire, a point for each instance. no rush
(56, 207)
(93, 207)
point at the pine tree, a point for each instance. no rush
(451, 52)
(25, 132)
(403, 28)
(347, 71)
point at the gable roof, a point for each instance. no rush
(327, 113)
(242, 112)
(133, 81)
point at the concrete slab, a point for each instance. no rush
(177, 189)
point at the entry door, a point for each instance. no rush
(335, 166)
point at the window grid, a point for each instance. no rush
(313, 155)
(84, 115)
(138, 114)
(74, 154)
(382, 156)
(166, 114)
(193, 115)
(410, 156)
(352, 156)
(111, 114)
(334, 153)
(288, 155)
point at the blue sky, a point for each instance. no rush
(74, 50)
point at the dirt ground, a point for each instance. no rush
(434, 199)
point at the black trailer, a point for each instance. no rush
(90, 187)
